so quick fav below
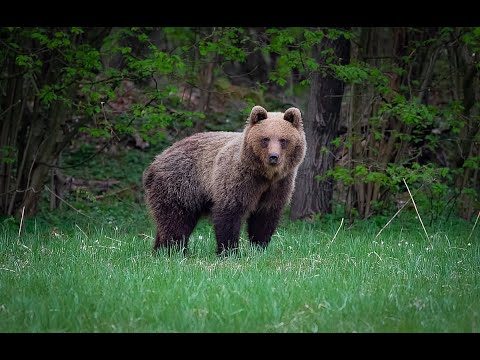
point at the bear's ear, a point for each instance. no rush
(258, 114)
(294, 116)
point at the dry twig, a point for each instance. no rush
(331, 241)
(418, 214)
(471, 232)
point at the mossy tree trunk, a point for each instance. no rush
(321, 121)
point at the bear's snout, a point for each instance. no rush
(273, 158)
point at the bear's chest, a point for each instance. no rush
(263, 198)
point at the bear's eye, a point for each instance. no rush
(265, 142)
(283, 143)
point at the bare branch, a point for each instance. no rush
(21, 222)
(415, 205)
(471, 232)
(331, 241)
(393, 217)
(74, 208)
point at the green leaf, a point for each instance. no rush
(24, 60)
(76, 30)
(361, 170)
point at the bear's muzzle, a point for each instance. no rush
(273, 158)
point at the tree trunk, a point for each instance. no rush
(321, 123)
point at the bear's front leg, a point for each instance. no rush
(262, 224)
(227, 223)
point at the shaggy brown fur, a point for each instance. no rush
(233, 176)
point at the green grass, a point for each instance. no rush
(79, 275)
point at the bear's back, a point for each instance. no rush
(199, 148)
(187, 165)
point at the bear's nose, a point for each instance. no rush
(273, 158)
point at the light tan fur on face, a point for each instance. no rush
(275, 130)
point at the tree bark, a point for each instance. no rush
(321, 127)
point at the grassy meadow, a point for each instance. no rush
(86, 109)
(82, 274)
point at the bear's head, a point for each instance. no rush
(275, 140)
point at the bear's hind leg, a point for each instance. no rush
(174, 229)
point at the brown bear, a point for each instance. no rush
(233, 176)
